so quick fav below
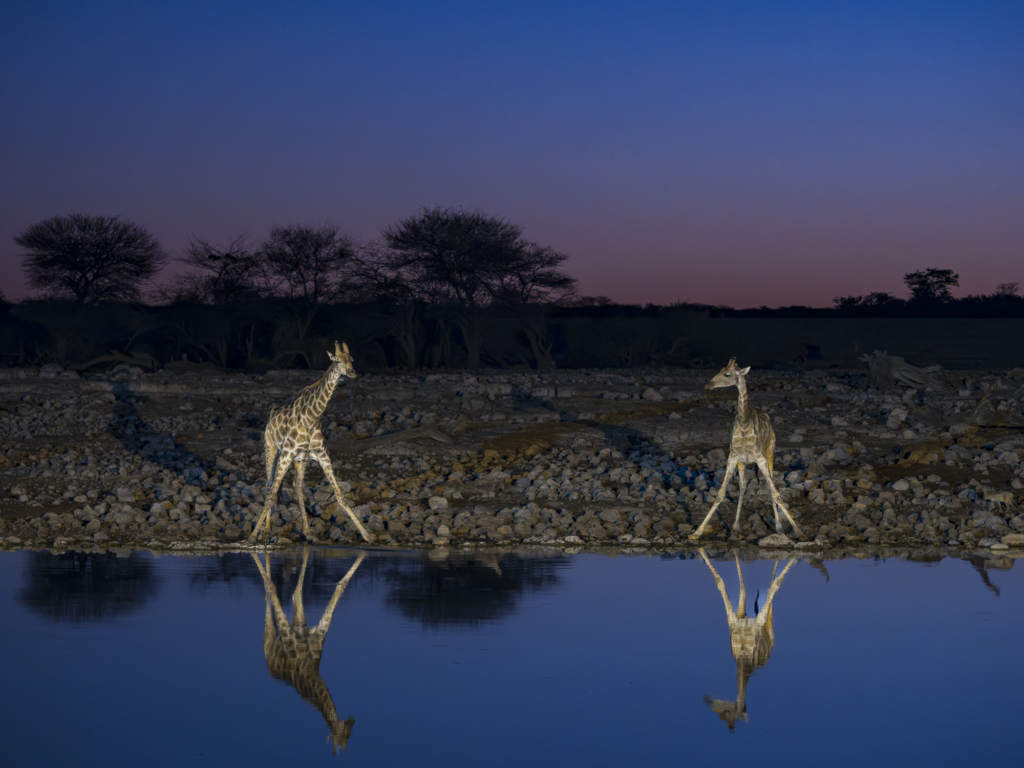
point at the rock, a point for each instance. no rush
(437, 502)
(124, 494)
(775, 540)
(901, 485)
(652, 394)
(572, 539)
(440, 541)
(997, 547)
(1014, 539)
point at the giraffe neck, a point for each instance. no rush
(316, 396)
(744, 410)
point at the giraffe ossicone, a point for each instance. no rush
(293, 436)
(753, 442)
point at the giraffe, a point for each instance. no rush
(751, 639)
(293, 650)
(293, 435)
(753, 441)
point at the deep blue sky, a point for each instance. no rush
(744, 153)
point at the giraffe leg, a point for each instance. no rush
(300, 474)
(777, 499)
(298, 610)
(741, 603)
(280, 468)
(729, 469)
(325, 620)
(741, 468)
(325, 464)
(730, 613)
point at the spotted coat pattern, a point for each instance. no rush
(293, 436)
(753, 442)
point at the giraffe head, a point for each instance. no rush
(342, 361)
(340, 732)
(729, 711)
(728, 376)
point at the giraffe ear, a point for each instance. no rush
(745, 371)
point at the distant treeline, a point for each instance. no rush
(275, 333)
(442, 289)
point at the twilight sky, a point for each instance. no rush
(742, 153)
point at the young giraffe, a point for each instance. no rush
(293, 435)
(293, 651)
(751, 639)
(753, 442)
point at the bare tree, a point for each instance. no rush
(306, 261)
(218, 275)
(89, 258)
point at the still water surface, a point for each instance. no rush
(386, 659)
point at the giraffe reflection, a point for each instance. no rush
(751, 638)
(293, 650)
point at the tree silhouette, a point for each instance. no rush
(89, 258)
(85, 586)
(219, 275)
(306, 261)
(931, 284)
(1007, 289)
(466, 260)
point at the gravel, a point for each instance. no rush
(594, 458)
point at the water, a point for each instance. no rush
(501, 659)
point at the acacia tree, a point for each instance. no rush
(305, 262)
(461, 261)
(219, 275)
(376, 274)
(529, 283)
(89, 258)
(930, 285)
(305, 265)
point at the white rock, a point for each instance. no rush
(775, 540)
(438, 502)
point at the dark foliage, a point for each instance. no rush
(81, 586)
(89, 258)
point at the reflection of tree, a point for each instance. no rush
(81, 586)
(293, 650)
(457, 589)
(232, 569)
(468, 590)
(751, 639)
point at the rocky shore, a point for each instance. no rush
(582, 458)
